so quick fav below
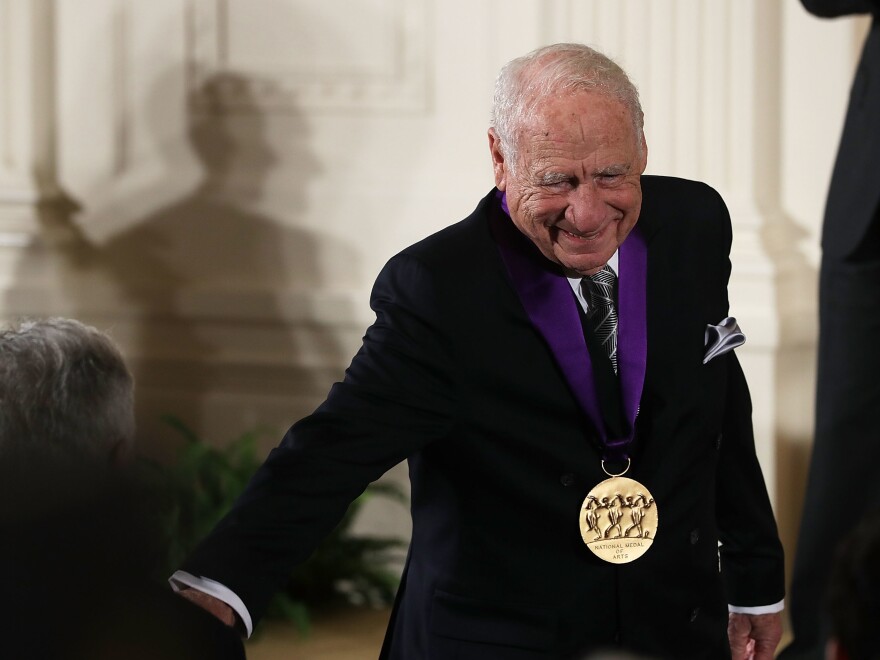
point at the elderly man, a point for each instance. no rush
(77, 552)
(543, 366)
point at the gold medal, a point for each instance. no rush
(618, 519)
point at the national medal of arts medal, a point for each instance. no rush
(618, 519)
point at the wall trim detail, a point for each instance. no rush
(281, 86)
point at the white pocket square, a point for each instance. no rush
(722, 338)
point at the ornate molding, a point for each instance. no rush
(385, 68)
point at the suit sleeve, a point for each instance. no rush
(835, 8)
(395, 398)
(751, 554)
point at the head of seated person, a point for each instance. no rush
(66, 408)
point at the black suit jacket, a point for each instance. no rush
(854, 194)
(454, 377)
(79, 553)
(849, 311)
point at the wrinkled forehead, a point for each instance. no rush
(585, 116)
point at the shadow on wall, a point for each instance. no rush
(199, 283)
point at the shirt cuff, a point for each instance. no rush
(182, 579)
(760, 609)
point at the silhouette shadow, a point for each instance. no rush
(199, 279)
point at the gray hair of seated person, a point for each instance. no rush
(66, 395)
(562, 68)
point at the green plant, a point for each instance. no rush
(201, 486)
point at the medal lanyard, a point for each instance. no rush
(546, 296)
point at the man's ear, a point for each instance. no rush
(644, 162)
(499, 165)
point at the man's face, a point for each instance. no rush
(575, 188)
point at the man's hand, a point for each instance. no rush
(754, 636)
(213, 605)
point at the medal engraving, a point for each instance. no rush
(618, 520)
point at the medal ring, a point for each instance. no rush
(619, 474)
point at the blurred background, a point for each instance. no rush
(216, 183)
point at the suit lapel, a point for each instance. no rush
(547, 298)
(633, 324)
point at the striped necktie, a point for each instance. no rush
(603, 314)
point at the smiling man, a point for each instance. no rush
(573, 182)
(556, 369)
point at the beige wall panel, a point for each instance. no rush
(237, 173)
(296, 54)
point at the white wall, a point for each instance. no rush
(218, 183)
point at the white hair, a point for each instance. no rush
(567, 67)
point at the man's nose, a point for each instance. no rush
(585, 207)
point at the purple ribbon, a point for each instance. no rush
(547, 298)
